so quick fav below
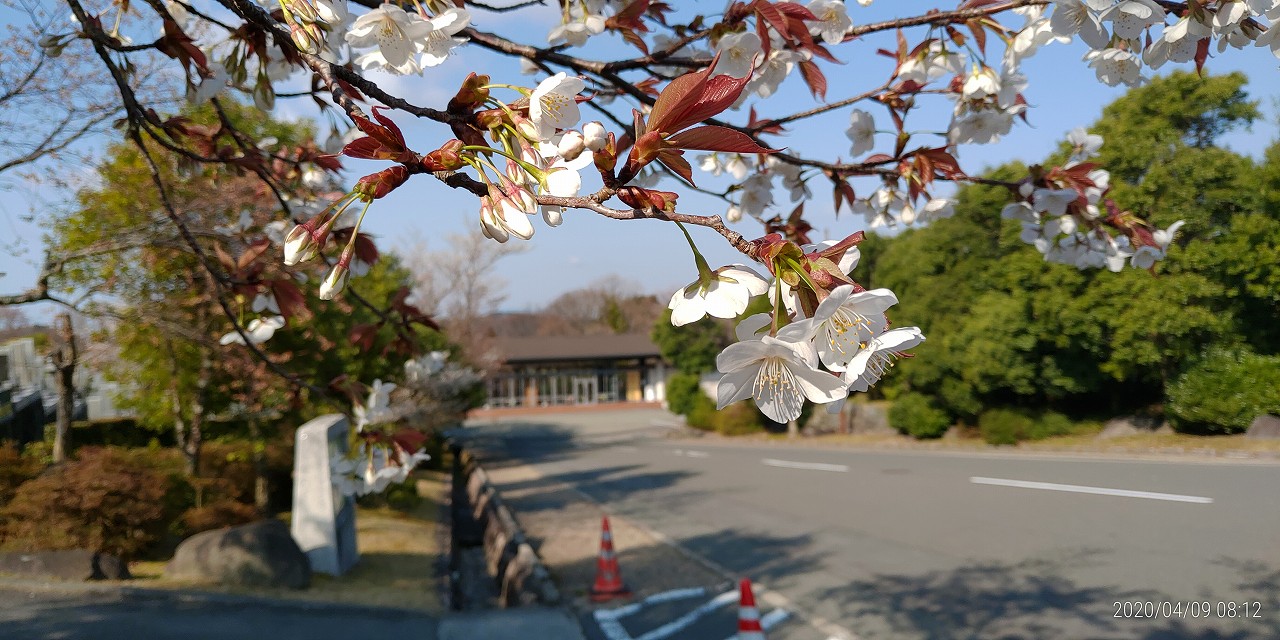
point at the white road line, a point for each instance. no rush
(691, 453)
(657, 598)
(813, 466)
(1101, 491)
(691, 617)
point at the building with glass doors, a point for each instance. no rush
(577, 370)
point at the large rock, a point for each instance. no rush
(73, 564)
(260, 554)
(1264, 427)
(861, 417)
(1132, 426)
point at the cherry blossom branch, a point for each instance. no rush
(942, 17)
(328, 70)
(593, 203)
(818, 110)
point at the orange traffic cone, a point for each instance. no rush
(608, 578)
(748, 615)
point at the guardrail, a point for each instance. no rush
(480, 517)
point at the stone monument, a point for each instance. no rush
(324, 520)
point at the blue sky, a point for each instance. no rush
(1063, 94)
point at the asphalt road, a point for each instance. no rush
(943, 545)
(77, 613)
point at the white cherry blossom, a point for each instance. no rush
(1116, 66)
(980, 127)
(395, 33)
(833, 20)
(779, 373)
(1084, 145)
(725, 296)
(874, 360)
(577, 31)
(1146, 256)
(845, 320)
(931, 64)
(1129, 17)
(738, 54)
(1072, 17)
(259, 330)
(553, 104)
(441, 41)
(861, 132)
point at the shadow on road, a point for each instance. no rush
(1034, 599)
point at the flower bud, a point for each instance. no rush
(471, 95)
(571, 145)
(594, 135)
(336, 281)
(446, 158)
(300, 246)
(302, 10)
(307, 38)
(53, 45)
(525, 127)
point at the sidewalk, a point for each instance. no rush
(564, 527)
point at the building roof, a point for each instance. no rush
(562, 348)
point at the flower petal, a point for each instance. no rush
(818, 386)
(741, 355)
(734, 386)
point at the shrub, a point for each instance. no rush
(1004, 426)
(683, 391)
(216, 515)
(1224, 391)
(915, 415)
(1010, 426)
(1050, 424)
(702, 414)
(739, 418)
(103, 500)
(15, 469)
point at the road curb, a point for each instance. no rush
(522, 577)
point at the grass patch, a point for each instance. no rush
(398, 555)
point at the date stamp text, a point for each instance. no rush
(1139, 609)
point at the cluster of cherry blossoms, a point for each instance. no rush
(1063, 215)
(380, 458)
(827, 336)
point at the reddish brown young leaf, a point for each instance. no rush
(363, 335)
(762, 126)
(769, 12)
(629, 18)
(692, 98)
(1202, 54)
(635, 39)
(253, 252)
(714, 138)
(674, 160)
(366, 251)
(292, 303)
(813, 77)
(795, 10)
(979, 34)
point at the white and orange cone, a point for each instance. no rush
(748, 615)
(608, 583)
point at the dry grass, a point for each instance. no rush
(1145, 443)
(397, 568)
(1160, 442)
